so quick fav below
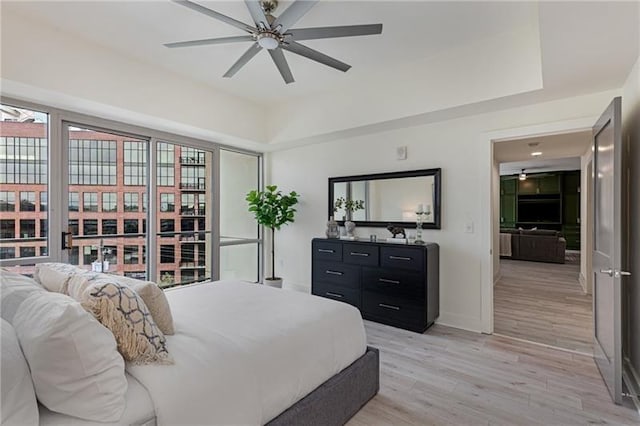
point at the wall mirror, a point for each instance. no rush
(387, 198)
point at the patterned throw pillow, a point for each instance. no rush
(121, 310)
(55, 277)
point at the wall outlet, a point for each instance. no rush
(401, 153)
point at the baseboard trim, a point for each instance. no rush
(462, 322)
(583, 282)
(631, 379)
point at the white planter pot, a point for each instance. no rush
(277, 283)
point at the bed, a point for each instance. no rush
(252, 354)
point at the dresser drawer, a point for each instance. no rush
(336, 273)
(327, 250)
(402, 257)
(360, 254)
(394, 310)
(394, 282)
(335, 292)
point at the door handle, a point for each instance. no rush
(326, 251)
(607, 272)
(384, 280)
(339, 296)
(399, 258)
(619, 274)
(333, 272)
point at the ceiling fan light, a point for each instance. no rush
(268, 41)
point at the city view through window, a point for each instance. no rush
(108, 201)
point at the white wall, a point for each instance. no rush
(460, 148)
(631, 138)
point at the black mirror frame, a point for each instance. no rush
(436, 173)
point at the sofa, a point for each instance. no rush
(537, 245)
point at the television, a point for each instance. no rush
(539, 211)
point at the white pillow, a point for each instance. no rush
(75, 367)
(19, 405)
(53, 276)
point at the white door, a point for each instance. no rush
(607, 248)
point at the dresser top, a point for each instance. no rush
(366, 241)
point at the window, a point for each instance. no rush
(192, 204)
(109, 202)
(138, 275)
(92, 161)
(23, 160)
(73, 226)
(130, 201)
(192, 156)
(90, 227)
(7, 228)
(144, 226)
(74, 255)
(135, 163)
(27, 201)
(90, 254)
(44, 251)
(167, 203)
(27, 228)
(188, 276)
(130, 255)
(7, 201)
(7, 252)
(167, 278)
(74, 202)
(131, 226)
(167, 225)
(166, 164)
(27, 252)
(109, 226)
(167, 253)
(90, 202)
(111, 254)
(187, 255)
(43, 228)
(43, 201)
(144, 201)
(192, 178)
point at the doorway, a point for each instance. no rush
(541, 289)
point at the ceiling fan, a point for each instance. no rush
(275, 34)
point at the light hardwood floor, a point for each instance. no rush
(544, 303)
(453, 377)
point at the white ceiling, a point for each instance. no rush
(559, 152)
(412, 31)
(433, 60)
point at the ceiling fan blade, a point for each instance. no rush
(292, 14)
(246, 57)
(255, 9)
(314, 55)
(332, 32)
(216, 15)
(209, 41)
(283, 66)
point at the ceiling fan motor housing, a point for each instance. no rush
(269, 5)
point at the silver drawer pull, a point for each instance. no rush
(399, 258)
(384, 280)
(357, 253)
(384, 305)
(326, 251)
(333, 272)
(339, 296)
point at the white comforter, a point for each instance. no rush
(245, 352)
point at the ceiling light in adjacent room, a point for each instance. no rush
(536, 154)
(523, 175)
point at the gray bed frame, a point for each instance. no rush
(335, 401)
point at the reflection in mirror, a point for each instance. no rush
(377, 200)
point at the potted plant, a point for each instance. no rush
(349, 206)
(272, 209)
